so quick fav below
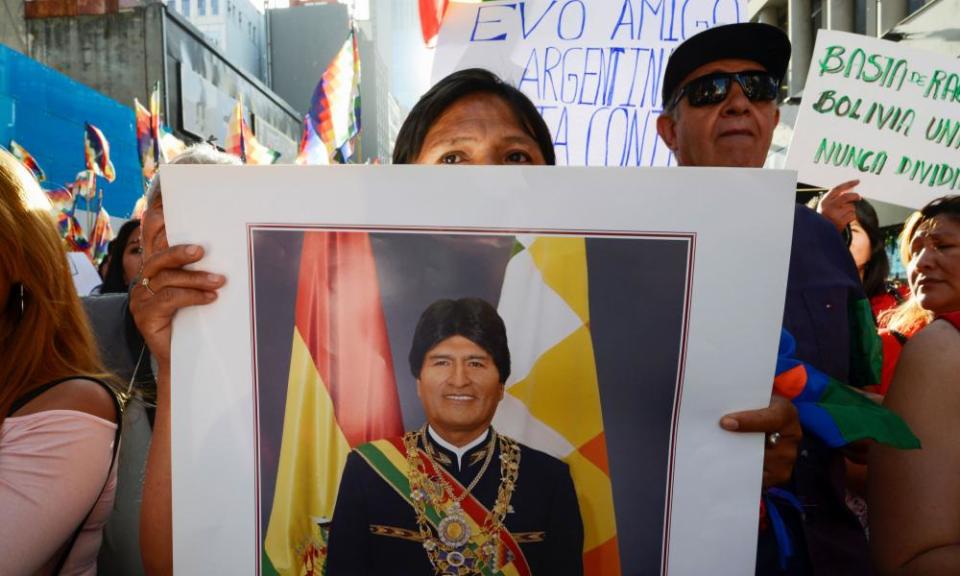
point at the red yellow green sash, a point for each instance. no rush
(388, 459)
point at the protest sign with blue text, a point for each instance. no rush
(593, 69)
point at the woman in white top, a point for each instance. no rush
(57, 419)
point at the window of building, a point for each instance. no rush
(185, 8)
(201, 7)
(914, 5)
(860, 17)
(215, 7)
(816, 14)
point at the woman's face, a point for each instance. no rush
(934, 268)
(479, 129)
(860, 247)
(132, 257)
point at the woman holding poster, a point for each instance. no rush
(470, 117)
(914, 495)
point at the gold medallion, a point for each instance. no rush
(453, 530)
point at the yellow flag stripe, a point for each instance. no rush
(312, 455)
(561, 389)
(595, 496)
(563, 263)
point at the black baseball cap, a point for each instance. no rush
(765, 44)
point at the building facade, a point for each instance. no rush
(802, 18)
(305, 38)
(236, 27)
(122, 48)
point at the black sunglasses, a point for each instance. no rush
(757, 85)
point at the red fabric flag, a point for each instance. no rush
(340, 317)
(341, 393)
(431, 16)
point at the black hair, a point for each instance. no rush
(877, 268)
(454, 87)
(474, 319)
(944, 206)
(113, 279)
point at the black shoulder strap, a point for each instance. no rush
(118, 407)
(32, 394)
(901, 338)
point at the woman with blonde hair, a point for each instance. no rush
(914, 495)
(58, 418)
(900, 323)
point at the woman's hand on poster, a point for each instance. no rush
(837, 205)
(165, 286)
(781, 425)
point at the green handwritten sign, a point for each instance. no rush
(881, 112)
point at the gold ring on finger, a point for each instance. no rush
(145, 282)
(773, 439)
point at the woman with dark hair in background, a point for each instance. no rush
(869, 252)
(58, 419)
(124, 258)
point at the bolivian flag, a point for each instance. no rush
(341, 393)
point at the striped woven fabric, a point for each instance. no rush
(836, 413)
(335, 105)
(97, 152)
(27, 160)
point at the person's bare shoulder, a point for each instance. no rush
(928, 370)
(78, 394)
(937, 346)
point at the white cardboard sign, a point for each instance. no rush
(706, 521)
(593, 69)
(880, 112)
(85, 276)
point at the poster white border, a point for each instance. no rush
(742, 220)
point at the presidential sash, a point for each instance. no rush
(388, 459)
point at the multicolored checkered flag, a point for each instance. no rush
(335, 106)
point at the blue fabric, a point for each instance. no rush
(785, 549)
(813, 418)
(822, 280)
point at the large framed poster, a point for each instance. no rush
(640, 306)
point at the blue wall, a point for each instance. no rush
(44, 111)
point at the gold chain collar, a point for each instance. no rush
(448, 548)
(431, 455)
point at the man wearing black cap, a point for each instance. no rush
(720, 94)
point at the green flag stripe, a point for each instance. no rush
(858, 417)
(866, 346)
(517, 248)
(383, 466)
(266, 566)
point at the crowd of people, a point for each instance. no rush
(63, 470)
